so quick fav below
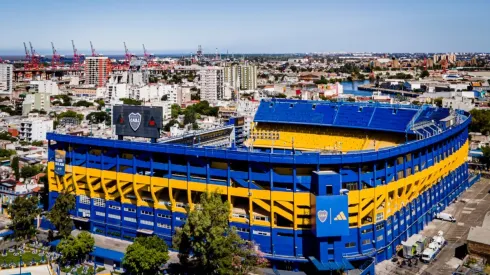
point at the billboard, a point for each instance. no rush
(137, 121)
(331, 216)
(59, 162)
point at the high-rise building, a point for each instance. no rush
(248, 77)
(6, 72)
(243, 77)
(212, 84)
(232, 76)
(97, 70)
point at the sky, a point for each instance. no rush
(246, 26)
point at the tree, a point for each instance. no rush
(83, 103)
(281, 95)
(15, 167)
(22, 212)
(175, 110)
(28, 171)
(480, 121)
(209, 244)
(38, 143)
(424, 74)
(7, 136)
(145, 255)
(59, 215)
(164, 98)
(189, 116)
(98, 117)
(76, 248)
(130, 101)
(100, 104)
(171, 123)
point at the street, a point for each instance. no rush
(469, 210)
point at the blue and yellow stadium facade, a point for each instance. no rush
(336, 185)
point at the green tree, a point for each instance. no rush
(22, 212)
(208, 244)
(145, 255)
(83, 103)
(100, 103)
(130, 101)
(424, 74)
(175, 110)
(59, 215)
(7, 136)
(15, 167)
(38, 143)
(171, 123)
(480, 121)
(98, 117)
(281, 95)
(6, 153)
(76, 248)
(189, 116)
(28, 171)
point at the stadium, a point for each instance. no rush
(319, 184)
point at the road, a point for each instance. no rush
(469, 210)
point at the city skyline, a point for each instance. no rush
(246, 27)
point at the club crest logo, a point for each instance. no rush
(322, 215)
(134, 121)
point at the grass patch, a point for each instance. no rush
(27, 257)
(90, 270)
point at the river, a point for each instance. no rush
(350, 87)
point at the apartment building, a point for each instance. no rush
(97, 70)
(35, 129)
(243, 77)
(36, 101)
(212, 83)
(44, 86)
(6, 73)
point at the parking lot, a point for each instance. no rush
(469, 210)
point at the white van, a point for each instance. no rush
(446, 217)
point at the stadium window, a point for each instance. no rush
(367, 230)
(366, 241)
(351, 244)
(379, 226)
(350, 185)
(329, 190)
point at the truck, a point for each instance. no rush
(434, 248)
(414, 246)
(445, 217)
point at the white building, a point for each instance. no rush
(212, 84)
(116, 91)
(35, 129)
(44, 86)
(247, 109)
(6, 74)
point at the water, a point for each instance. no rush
(350, 88)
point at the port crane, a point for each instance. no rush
(77, 58)
(28, 64)
(56, 59)
(35, 59)
(94, 53)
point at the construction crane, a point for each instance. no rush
(94, 53)
(77, 58)
(56, 59)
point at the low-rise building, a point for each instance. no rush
(37, 101)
